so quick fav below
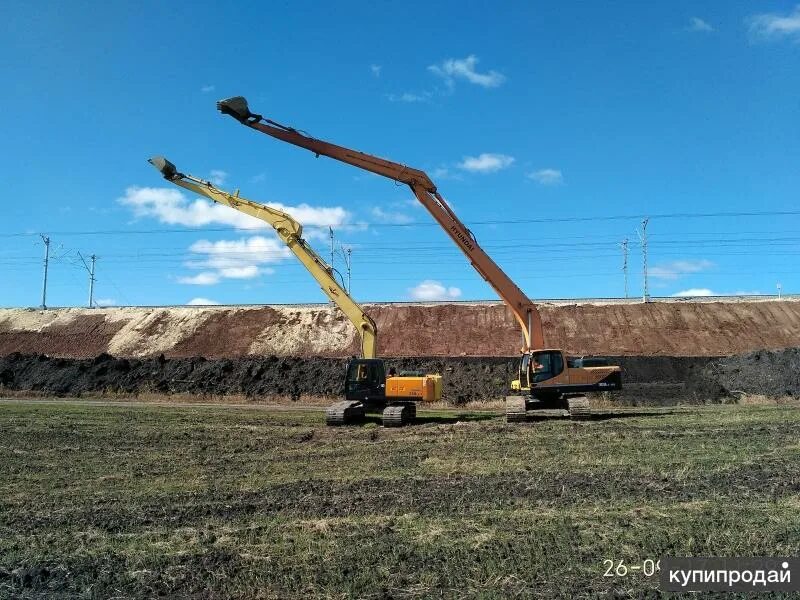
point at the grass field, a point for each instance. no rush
(143, 501)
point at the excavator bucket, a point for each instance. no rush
(235, 107)
(166, 168)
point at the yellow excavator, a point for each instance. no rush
(367, 388)
(548, 380)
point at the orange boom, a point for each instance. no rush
(560, 385)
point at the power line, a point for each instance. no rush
(363, 224)
(439, 249)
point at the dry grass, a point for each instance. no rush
(284, 401)
(759, 400)
(228, 502)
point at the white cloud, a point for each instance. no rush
(171, 207)
(105, 302)
(699, 25)
(547, 176)
(207, 88)
(242, 259)
(312, 216)
(774, 26)
(697, 292)
(393, 217)
(464, 68)
(205, 278)
(234, 259)
(409, 97)
(258, 178)
(430, 290)
(694, 292)
(486, 162)
(677, 268)
(243, 272)
(376, 70)
(218, 177)
(201, 302)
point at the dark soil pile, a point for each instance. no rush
(270, 376)
(647, 380)
(465, 379)
(774, 373)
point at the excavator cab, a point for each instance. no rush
(365, 380)
(546, 365)
(538, 366)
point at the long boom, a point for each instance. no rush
(291, 233)
(424, 189)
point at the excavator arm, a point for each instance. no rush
(424, 189)
(290, 232)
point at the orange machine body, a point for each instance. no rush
(424, 388)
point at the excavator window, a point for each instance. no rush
(546, 365)
(365, 379)
(361, 373)
(524, 373)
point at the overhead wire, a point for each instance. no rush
(676, 215)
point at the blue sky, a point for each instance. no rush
(541, 123)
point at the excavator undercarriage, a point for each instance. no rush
(524, 408)
(395, 414)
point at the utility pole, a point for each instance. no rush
(625, 264)
(330, 231)
(349, 261)
(92, 279)
(643, 238)
(46, 241)
(91, 282)
(347, 257)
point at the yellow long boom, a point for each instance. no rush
(291, 233)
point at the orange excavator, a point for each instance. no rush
(547, 379)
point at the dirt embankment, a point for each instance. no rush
(462, 329)
(648, 380)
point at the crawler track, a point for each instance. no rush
(397, 415)
(344, 412)
(516, 411)
(579, 408)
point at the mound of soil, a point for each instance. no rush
(774, 373)
(465, 379)
(631, 328)
(652, 380)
